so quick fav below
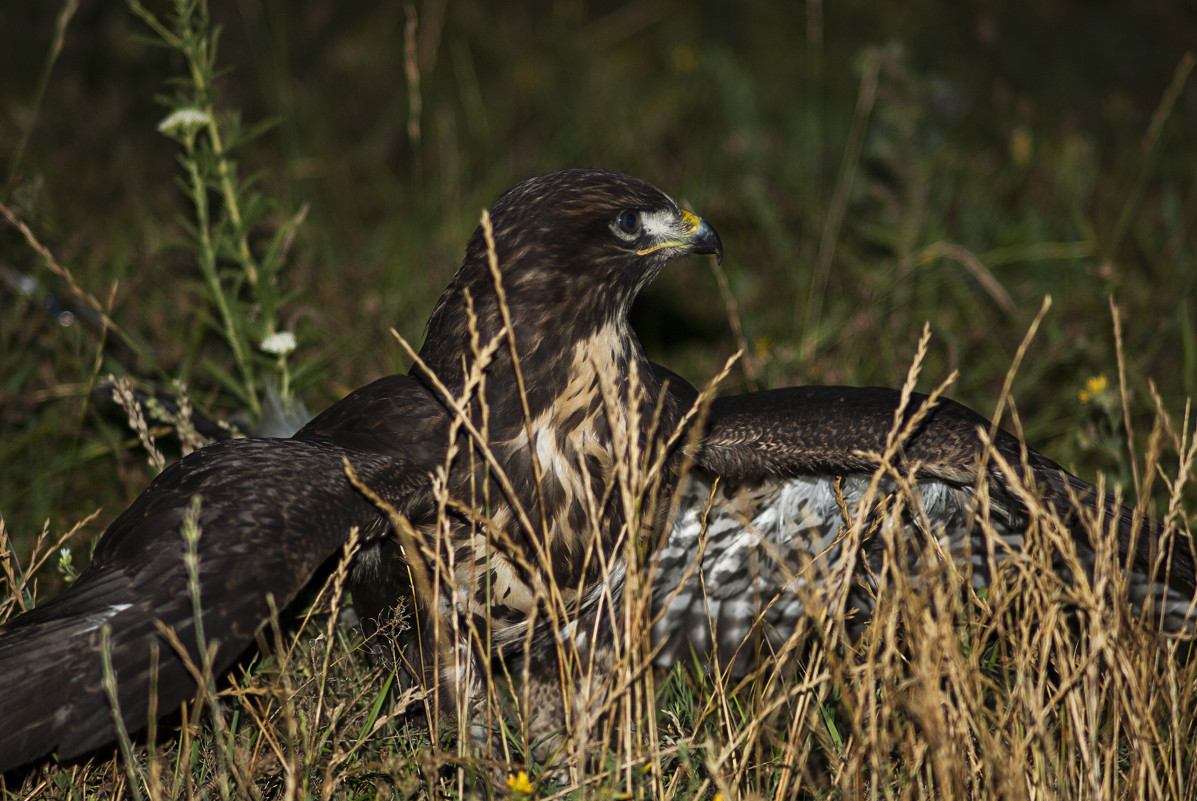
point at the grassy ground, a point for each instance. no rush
(868, 171)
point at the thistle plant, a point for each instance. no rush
(240, 281)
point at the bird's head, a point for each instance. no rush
(590, 229)
(574, 245)
(573, 249)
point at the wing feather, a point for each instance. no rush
(790, 460)
(269, 513)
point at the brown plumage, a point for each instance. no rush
(573, 249)
(499, 501)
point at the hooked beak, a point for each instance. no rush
(703, 238)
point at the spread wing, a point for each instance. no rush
(792, 466)
(268, 513)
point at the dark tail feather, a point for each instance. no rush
(52, 672)
(53, 697)
(272, 511)
(36, 663)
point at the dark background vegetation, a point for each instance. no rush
(1005, 151)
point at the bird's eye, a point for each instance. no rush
(628, 222)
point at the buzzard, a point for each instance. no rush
(499, 496)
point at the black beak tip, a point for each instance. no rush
(706, 241)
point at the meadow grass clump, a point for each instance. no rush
(1036, 684)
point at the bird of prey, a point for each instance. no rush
(498, 495)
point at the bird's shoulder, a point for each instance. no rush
(397, 415)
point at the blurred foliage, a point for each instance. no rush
(868, 167)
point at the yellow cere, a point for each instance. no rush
(692, 222)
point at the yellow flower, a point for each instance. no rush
(718, 797)
(1094, 386)
(519, 783)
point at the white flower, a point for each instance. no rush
(184, 121)
(279, 344)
